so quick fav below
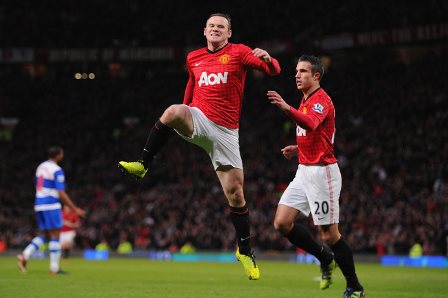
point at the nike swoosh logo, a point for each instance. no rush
(243, 239)
(199, 63)
(320, 218)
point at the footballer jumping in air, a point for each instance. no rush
(209, 117)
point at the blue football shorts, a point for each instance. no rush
(49, 219)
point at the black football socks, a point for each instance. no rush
(344, 258)
(240, 220)
(301, 237)
(158, 136)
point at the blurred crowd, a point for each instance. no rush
(391, 118)
(161, 23)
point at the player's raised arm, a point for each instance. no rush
(298, 117)
(261, 60)
(278, 101)
(273, 65)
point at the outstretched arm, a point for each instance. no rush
(260, 59)
(304, 121)
(273, 65)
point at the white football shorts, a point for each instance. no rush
(315, 189)
(220, 143)
(67, 237)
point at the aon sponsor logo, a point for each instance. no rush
(213, 78)
(300, 132)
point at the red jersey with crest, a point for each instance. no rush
(216, 81)
(316, 147)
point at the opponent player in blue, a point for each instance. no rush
(50, 191)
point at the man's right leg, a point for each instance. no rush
(22, 258)
(176, 117)
(301, 237)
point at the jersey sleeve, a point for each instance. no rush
(188, 94)
(316, 113)
(303, 120)
(250, 61)
(319, 109)
(59, 180)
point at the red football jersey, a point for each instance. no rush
(316, 147)
(70, 221)
(216, 81)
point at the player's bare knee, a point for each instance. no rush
(331, 240)
(282, 226)
(172, 114)
(325, 236)
(329, 236)
(235, 195)
(235, 198)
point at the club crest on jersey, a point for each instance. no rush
(213, 78)
(318, 108)
(304, 110)
(224, 59)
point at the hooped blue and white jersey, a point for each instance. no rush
(50, 180)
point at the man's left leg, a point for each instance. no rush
(344, 258)
(232, 180)
(34, 245)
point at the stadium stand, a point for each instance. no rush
(391, 142)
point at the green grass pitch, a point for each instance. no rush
(145, 278)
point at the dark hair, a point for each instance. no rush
(316, 64)
(54, 151)
(224, 15)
